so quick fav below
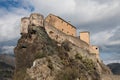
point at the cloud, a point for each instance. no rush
(9, 4)
(96, 17)
(109, 43)
(10, 20)
(58, 7)
(100, 17)
(111, 61)
(9, 26)
(11, 12)
(110, 58)
(79, 11)
(7, 49)
(107, 38)
(92, 15)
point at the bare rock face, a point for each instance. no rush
(38, 57)
(45, 68)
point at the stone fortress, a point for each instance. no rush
(59, 30)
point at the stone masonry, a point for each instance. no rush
(61, 24)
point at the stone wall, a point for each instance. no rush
(61, 24)
(60, 37)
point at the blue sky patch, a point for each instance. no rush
(9, 4)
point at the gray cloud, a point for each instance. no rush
(7, 49)
(10, 23)
(100, 17)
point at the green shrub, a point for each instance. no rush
(88, 64)
(40, 55)
(78, 56)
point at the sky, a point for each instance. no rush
(100, 17)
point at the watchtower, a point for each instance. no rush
(85, 36)
(36, 19)
(24, 25)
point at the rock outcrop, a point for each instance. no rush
(40, 57)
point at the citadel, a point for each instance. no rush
(59, 30)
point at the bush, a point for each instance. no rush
(40, 55)
(89, 64)
(78, 56)
(68, 74)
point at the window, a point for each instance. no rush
(62, 29)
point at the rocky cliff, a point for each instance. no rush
(40, 57)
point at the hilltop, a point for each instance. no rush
(40, 56)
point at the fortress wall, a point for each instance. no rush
(59, 30)
(85, 36)
(60, 37)
(61, 25)
(95, 49)
(24, 25)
